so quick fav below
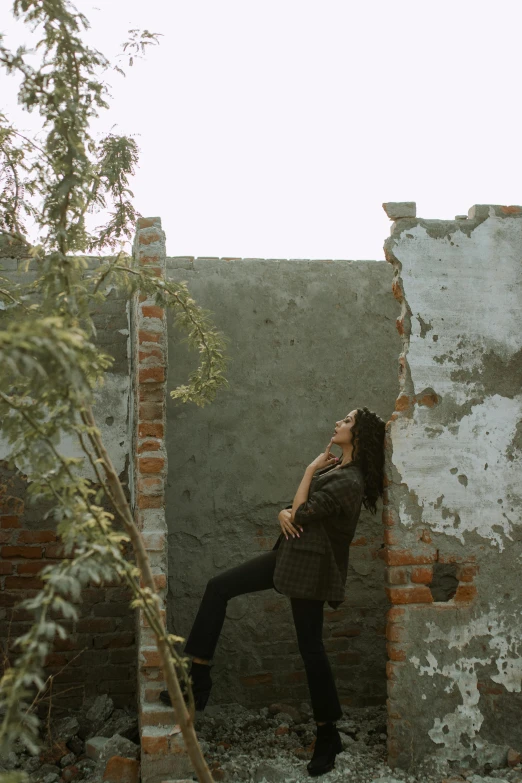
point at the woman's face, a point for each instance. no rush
(343, 429)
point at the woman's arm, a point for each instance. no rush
(301, 496)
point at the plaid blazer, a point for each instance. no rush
(315, 565)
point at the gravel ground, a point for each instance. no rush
(275, 744)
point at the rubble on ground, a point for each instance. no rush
(98, 744)
(275, 743)
(272, 745)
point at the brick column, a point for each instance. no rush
(162, 755)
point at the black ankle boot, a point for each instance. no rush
(327, 745)
(201, 686)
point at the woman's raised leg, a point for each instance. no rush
(249, 577)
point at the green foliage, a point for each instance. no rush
(50, 367)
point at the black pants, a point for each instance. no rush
(250, 577)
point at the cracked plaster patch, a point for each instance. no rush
(483, 437)
(467, 718)
(473, 423)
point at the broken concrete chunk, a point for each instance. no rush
(94, 746)
(400, 209)
(100, 711)
(117, 746)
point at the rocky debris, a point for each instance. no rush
(275, 743)
(271, 744)
(65, 729)
(74, 751)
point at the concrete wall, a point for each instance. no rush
(309, 341)
(99, 655)
(453, 523)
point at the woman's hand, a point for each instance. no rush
(285, 515)
(324, 459)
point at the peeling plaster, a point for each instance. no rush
(475, 368)
(503, 634)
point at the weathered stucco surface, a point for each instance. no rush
(456, 484)
(309, 341)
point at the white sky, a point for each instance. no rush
(276, 128)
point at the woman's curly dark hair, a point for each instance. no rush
(368, 451)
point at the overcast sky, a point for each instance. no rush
(276, 128)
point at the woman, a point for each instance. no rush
(308, 563)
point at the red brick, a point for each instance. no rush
(361, 541)
(9, 520)
(149, 259)
(22, 583)
(148, 337)
(296, 677)
(6, 568)
(147, 374)
(22, 551)
(150, 430)
(36, 536)
(429, 400)
(149, 445)
(122, 770)
(466, 573)
(151, 411)
(409, 595)
(144, 222)
(55, 551)
(403, 402)
(55, 659)
(95, 624)
(151, 353)
(392, 538)
(147, 239)
(33, 567)
(389, 517)
(151, 464)
(258, 679)
(349, 658)
(152, 392)
(395, 614)
(395, 632)
(397, 290)
(346, 632)
(152, 311)
(391, 670)
(464, 592)
(395, 575)
(160, 581)
(459, 559)
(150, 501)
(6, 536)
(144, 623)
(149, 658)
(155, 745)
(395, 653)
(422, 574)
(398, 557)
(151, 484)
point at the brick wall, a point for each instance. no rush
(163, 754)
(99, 654)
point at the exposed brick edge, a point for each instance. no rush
(408, 572)
(149, 341)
